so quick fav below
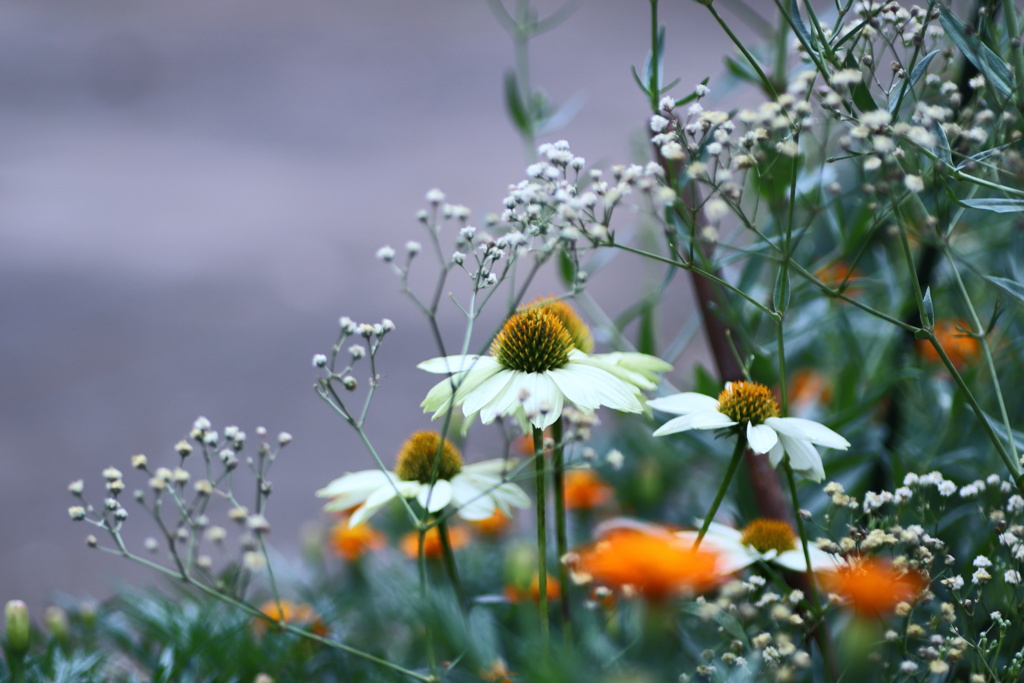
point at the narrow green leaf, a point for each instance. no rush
(1011, 287)
(860, 92)
(996, 205)
(515, 106)
(915, 75)
(639, 82)
(929, 309)
(980, 55)
(566, 268)
(648, 338)
(797, 22)
(942, 145)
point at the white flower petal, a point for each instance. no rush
(471, 498)
(352, 489)
(495, 467)
(483, 394)
(707, 420)
(820, 560)
(449, 365)
(382, 497)
(775, 456)
(589, 387)
(803, 457)
(761, 438)
(684, 403)
(435, 497)
(542, 393)
(511, 495)
(808, 430)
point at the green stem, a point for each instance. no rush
(766, 82)
(449, 561)
(1016, 52)
(737, 456)
(823, 641)
(654, 86)
(542, 540)
(558, 467)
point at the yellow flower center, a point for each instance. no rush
(533, 340)
(769, 534)
(574, 325)
(748, 402)
(419, 454)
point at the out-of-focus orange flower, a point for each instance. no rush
(838, 272)
(873, 587)
(351, 543)
(524, 444)
(809, 387)
(458, 536)
(498, 672)
(953, 337)
(288, 612)
(585, 490)
(647, 560)
(493, 525)
(532, 592)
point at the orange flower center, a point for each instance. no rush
(748, 402)
(574, 325)
(533, 340)
(769, 534)
(417, 459)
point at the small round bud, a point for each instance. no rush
(357, 351)
(435, 196)
(111, 503)
(76, 487)
(349, 382)
(18, 630)
(139, 462)
(203, 487)
(458, 258)
(238, 514)
(348, 326)
(386, 254)
(284, 438)
(56, 621)
(319, 361)
(387, 324)
(91, 541)
(112, 473)
(266, 488)
(120, 514)
(116, 486)
(201, 423)
(76, 512)
(412, 248)
(151, 544)
(183, 448)
(180, 476)
(258, 524)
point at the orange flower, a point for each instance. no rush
(458, 536)
(288, 612)
(809, 387)
(873, 587)
(584, 490)
(497, 672)
(532, 592)
(836, 273)
(493, 525)
(351, 543)
(647, 560)
(954, 338)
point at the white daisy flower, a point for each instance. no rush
(538, 362)
(751, 406)
(768, 540)
(475, 490)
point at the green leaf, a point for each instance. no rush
(648, 338)
(977, 53)
(780, 297)
(929, 309)
(1011, 287)
(726, 621)
(566, 268)
(515, 106)
(942, 146)
(996, 205)
(860, 93)
(800, 28)
(915, 75)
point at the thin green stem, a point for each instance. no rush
(654, 86)
(737, 456)
(542, 540)
(1016, 51)
(449, 561)
(561, 536)
(987, 351)
(766, 82)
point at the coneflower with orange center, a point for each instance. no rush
(648, 561)
(872, 587)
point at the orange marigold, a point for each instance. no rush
(585, 490)
(955, 339)
(647, 560)
(288, 612)
(351, 543)
(493, 525)
(873, 587)
(458, 536)
(532, 592)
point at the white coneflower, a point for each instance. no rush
(752, 407)
(539, 361)
(475, 490)
(763, 540)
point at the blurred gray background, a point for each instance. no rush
(191, 193)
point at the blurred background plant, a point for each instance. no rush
(851, 232)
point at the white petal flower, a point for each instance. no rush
(752, 404)
(767, 540)
(475, 490)
(540, 361)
